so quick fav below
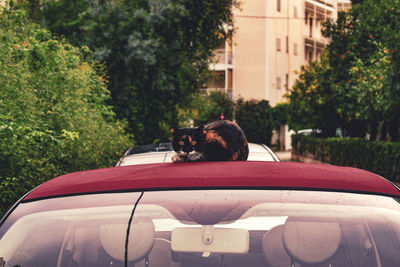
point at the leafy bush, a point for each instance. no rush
(206, 107)
(53, 113)
(376, 156)
(254, 117)
(280, 115)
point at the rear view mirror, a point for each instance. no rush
(208, 239)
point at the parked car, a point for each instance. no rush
(340, 132)
(238, 213)
(309, 132)
(162, 152)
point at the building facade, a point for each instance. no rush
(272, 40)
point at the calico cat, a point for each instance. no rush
(218, 141)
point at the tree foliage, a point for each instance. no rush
(280, 115)
(313, 102)
(365, 49)
(255, 118)
(156, 51)
(356, 83)
(205, 107)
(53, 113)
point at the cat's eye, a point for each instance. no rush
(194, 143)
(181, 143)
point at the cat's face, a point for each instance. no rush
(188, 139)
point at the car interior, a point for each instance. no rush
(264, 234)
(300, 241)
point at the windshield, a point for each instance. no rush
(205, 228)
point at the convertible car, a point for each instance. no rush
(246, 213)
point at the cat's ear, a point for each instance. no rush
(173, 130)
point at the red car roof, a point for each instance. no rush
(239, 174)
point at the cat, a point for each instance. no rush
(218, 141)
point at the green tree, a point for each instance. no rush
(280, 115)
(355, 86)
(205, 107)
(312, 101)
(373, 78)
(156, 51)
(53, 113)
(345, 47)
(254, 117)
(359, 37)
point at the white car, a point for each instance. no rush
(162, 152)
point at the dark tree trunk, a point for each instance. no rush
(374, 132)
(374, 128)
(394, 129)
(383, 136)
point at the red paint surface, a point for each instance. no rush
(216, 175)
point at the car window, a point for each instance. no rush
(205, 228)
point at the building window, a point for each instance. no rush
(278, 83)
(287, 44)
(295, 47)
(278, 5)
(295, 11)
(308, 53)
(287, 81)
(278, 44)
(217, 80)
(230, 80)
(306, 18)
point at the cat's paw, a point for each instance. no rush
(178, 158)
(195, 157)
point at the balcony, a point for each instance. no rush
(313, 50)
(316, 12)
(222, 58)
(222, 80)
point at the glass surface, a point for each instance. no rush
(205, 228)
(162, 152)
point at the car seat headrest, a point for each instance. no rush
(311, 240)
(272, 246)
(141, 239)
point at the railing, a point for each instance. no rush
(220, 57)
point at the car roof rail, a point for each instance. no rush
(165, 146)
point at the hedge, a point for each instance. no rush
(379, 157)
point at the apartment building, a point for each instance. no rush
(272, 40)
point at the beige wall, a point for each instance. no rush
(249, 51)
(257, 64)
